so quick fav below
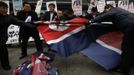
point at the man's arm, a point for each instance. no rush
(35, 17)
(15, 21)
(103, 17)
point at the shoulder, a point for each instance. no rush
(33, 13)
(47, 12)
(10, 18)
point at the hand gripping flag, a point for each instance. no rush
(65, 38)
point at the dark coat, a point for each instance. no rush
(46, 16)
(124, 21)
(121, 18)
(22, 15)
(5, 22)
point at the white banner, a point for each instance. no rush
(17, 5)
(123, 4)
(112, 3)
(38, 7)
(93, 3)
(131, 7)
(77, 7)
(13, 34)
(100, 5)
(54, 2)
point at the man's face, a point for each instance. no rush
(59, 13)
(51, 8)
(27, 7)
(3, 10)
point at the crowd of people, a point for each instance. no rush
(122, 21)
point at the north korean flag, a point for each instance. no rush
(67, 37)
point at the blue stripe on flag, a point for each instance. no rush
(72, 44)
(103, 56)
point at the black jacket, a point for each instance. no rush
(121, 18)
(22, 15)
(5, 22)
(46, 16)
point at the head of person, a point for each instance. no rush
(94, 10)
(51, 7)
(69, 13)
(59, 13)
(26, 7)
(108, 7)
(3, 8)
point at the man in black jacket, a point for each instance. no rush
(29, 16)
(5, 21)
(123, 21)
(50, 15)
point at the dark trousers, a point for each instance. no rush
(25, 37)
(4, 55)
(127, 61)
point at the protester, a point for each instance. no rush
(69, 14)
(50, 15)
(60, 16)
(25, 34)
(93, 14)
(5, 21)
(124, 21)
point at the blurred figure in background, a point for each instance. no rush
(49, 15)
(60, 16)
(93, 14)
(69, 14)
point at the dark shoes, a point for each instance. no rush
(8, 67)
(23, 56)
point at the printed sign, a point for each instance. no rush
(38, 7)
(93, 3)
(112, 3)
(100, 5)
(54, 2)
(123, 4)
(77, 7)
(131, 7)
(13, 34)
(17, 5)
